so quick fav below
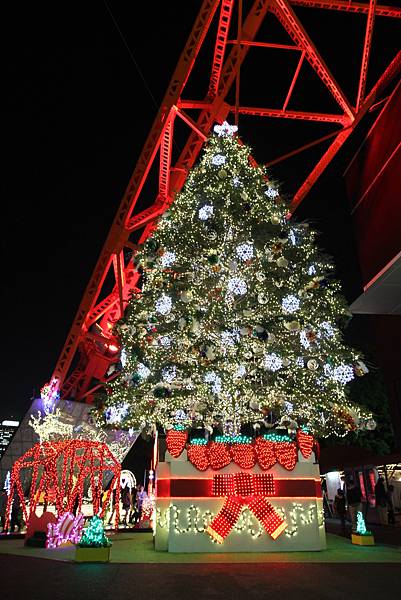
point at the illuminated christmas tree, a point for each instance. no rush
(239, 320)
(94, 535)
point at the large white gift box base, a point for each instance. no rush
(184, 512)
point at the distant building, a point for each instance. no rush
(7, 430)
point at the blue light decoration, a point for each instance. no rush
(50, 395)
(361, 525)
(7, 483)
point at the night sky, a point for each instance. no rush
(78, 107)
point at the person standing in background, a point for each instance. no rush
(381, 501)
(390, 505)
(340, 508)
(354, 501)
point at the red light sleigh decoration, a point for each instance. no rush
(59, 470)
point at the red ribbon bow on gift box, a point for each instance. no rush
(245, 489)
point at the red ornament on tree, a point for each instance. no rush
(198, 455)
(305, 443)
(176, 440)
(219, 455)
(265, 453)
(243, 455)
(286, 454)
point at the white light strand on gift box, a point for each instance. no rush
(295, 514)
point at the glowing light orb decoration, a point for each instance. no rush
(123, 357)
(205, 212)
(244, 251)
(168, 259)
(304, 340)
(218, 160)
(271, 192)
(169, 373)
(240, 372)
(230, 338)
(292, 237)
(61, 470)
(237, 286)
(215, 380)
(114, 415)
(290, 304)
(326, 329)
(142, 370)
(342, 373)
(163, 305)
(272, 362)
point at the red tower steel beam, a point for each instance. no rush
(294, 79)
(219, 110)
(392, 71)
(291, 114)
(220, 46)
(294, 28)
(171, 179)
(351, 7)
(366, 53)
(118, 233)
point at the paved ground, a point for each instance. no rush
(383, 534)
(37, 579)
(138, 548)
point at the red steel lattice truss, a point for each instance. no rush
(90, 345)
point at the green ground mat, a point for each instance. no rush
(135, 548)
